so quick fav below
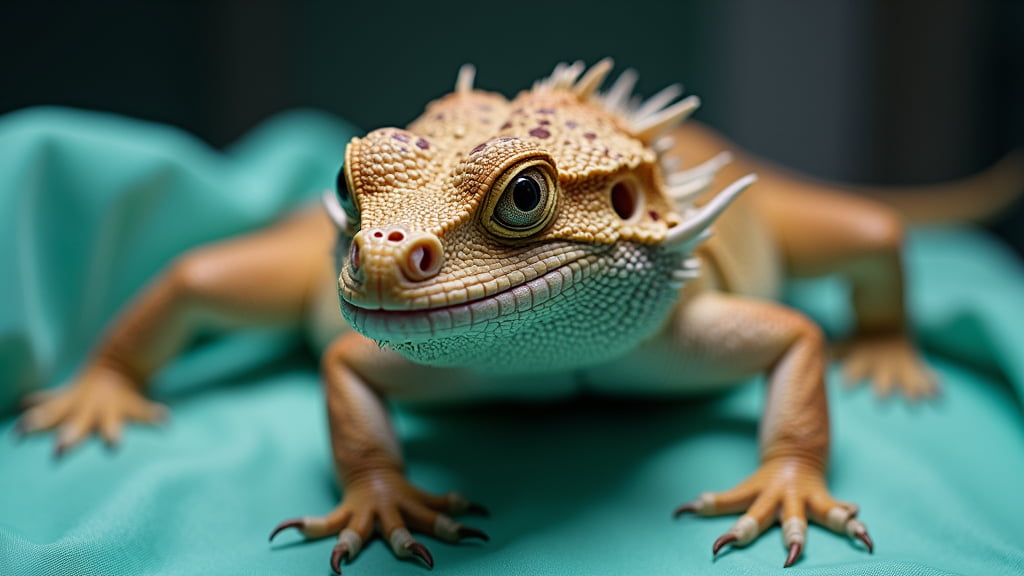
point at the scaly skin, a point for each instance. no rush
(448, 269)
(549, 235)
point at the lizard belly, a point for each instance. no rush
(470, 388)
(658, 370)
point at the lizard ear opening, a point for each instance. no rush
(626, 199)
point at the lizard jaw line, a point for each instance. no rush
(431, 323)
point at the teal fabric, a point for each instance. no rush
(92, 205)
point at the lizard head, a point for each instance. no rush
(533, 234)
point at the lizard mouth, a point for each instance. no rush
(464, 317)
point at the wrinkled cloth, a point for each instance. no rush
(91, 206)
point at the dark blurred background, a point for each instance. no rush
(868, 91)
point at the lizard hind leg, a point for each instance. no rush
(823, 231)
(820, 229)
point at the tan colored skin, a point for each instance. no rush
(722, 330)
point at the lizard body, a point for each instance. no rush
(535, 248)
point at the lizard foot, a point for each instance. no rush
(100, 401)
(386, 503)
(784, 490)
(890, 361)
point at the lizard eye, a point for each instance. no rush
(345, 198)
(522, 201)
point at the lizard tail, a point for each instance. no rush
(977, 198)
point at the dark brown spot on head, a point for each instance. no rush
(539, 133)
(654, 215)
(506, 126)
(479, 148)
(572, 124)
(400, 136)
(545, 111)
(545, 122)
(422, 144)
(590, 135)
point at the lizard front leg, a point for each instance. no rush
(733, 337)
(822, 230)
(265, 277)
(367, 458)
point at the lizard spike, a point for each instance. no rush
(649, 128)
(588, 84)
(658, 102)
(663, 145)
(464, 81)
(553, 80)
(617, 97)
(707, 168)
(694, 230)
(565, 78)
(685, 193)
(668, 163)
(557, 73)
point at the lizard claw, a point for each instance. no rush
(340, 551)
(794, 552)
(723, 540)
(688, 508)
(465, 532)
(787, 491)
(386, 505)
(420, 551)
(477, 509)
(862, 535)
(292, 523)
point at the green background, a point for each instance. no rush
(93, 205)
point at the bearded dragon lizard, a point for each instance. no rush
(537, 247)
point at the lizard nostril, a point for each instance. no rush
(354, 266)
(378, 234)
(396, 236)
(353, 256)
(423, 259)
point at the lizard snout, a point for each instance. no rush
(382, 260)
